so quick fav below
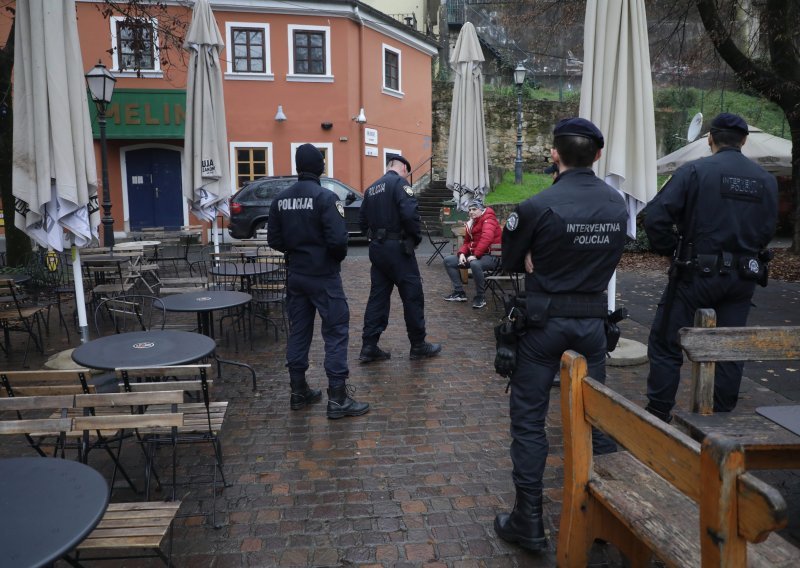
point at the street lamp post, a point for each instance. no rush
(101, 86)
(519, 79)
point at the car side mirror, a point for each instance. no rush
(350, 198)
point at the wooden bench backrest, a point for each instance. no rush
(201, 384)
(46, 382)
(731, 501)
(705, 345)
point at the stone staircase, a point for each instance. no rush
(430, 204)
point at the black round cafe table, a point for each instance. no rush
(47, 507)
(204, 303)
(160, 348)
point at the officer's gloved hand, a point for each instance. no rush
(505, 360)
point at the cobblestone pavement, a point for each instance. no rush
(415, 482)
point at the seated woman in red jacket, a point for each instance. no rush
(482, 231)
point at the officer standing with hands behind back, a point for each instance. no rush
(306, 221)
(568, 239)
(725, 208)
(390, 219)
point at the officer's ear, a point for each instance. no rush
(597, 156)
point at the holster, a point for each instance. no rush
(408, 247)
(612, 329)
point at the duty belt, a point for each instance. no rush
(381, 235)
(578, 305)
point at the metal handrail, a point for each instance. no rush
(428, 160)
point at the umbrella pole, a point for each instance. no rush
(77, 275)
(215, 234)
(612, 292)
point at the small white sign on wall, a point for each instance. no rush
(371, 151)
(370, 136)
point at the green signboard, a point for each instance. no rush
(143, 113)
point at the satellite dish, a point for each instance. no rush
(695, 126)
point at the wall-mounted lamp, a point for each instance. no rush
(361, 118)
(326, 125)
(280, 116)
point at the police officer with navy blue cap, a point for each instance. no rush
(306, 222)
(725, 208)
(567, 240)
(390, 219)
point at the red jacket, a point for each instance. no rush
(481, 233)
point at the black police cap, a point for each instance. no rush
(399, 158)
(579, 127)
(729, 121)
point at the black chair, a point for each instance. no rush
(438, 245)
(130, 313)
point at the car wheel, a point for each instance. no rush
(257, 227)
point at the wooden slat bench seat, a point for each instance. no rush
(664, 495)
(767, 445)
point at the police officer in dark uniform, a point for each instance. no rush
(568, 239)
(390, 219)
(725, 208)
(306, 222)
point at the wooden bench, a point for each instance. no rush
(668, 496)
(124, 526)
(767, 444)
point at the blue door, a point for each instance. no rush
(154, 188)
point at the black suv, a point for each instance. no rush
(250, 206)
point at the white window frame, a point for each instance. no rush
(328, 155)
(385, 89)
(154, 73)
(233, 146)
(306, 77)
(387, 151)
(267, 74)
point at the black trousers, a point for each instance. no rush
(391, 267)
(539, 357)
(730, 297)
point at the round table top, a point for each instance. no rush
(47, 507)
(242, 269)
(136, 245)
(160, 348)
(205, 300)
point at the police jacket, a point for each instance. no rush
(480, 234)
(307, 223)
(389, 204)
(735, 200)
(575, 230)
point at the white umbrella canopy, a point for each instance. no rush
(54, 174)
(54, 171)
(617, 96)
(206, 177)
(772, 153)
(467, 156)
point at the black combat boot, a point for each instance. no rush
(523, 525)
(370, 353)
(302, 394)
(340, 404)
(424, 349)
(665, 416)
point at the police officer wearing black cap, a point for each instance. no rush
(307, 223)
(390, 219)
(568, 240)
(725, 209)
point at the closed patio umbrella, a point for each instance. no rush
(206, 177)
(467, 157)
(54, 171)
(617, 96)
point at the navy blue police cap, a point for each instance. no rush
(729, 121)
(399, 158)
(579, 127)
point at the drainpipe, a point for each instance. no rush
(360, 105)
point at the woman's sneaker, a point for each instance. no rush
(479, 302)
(456, 297)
